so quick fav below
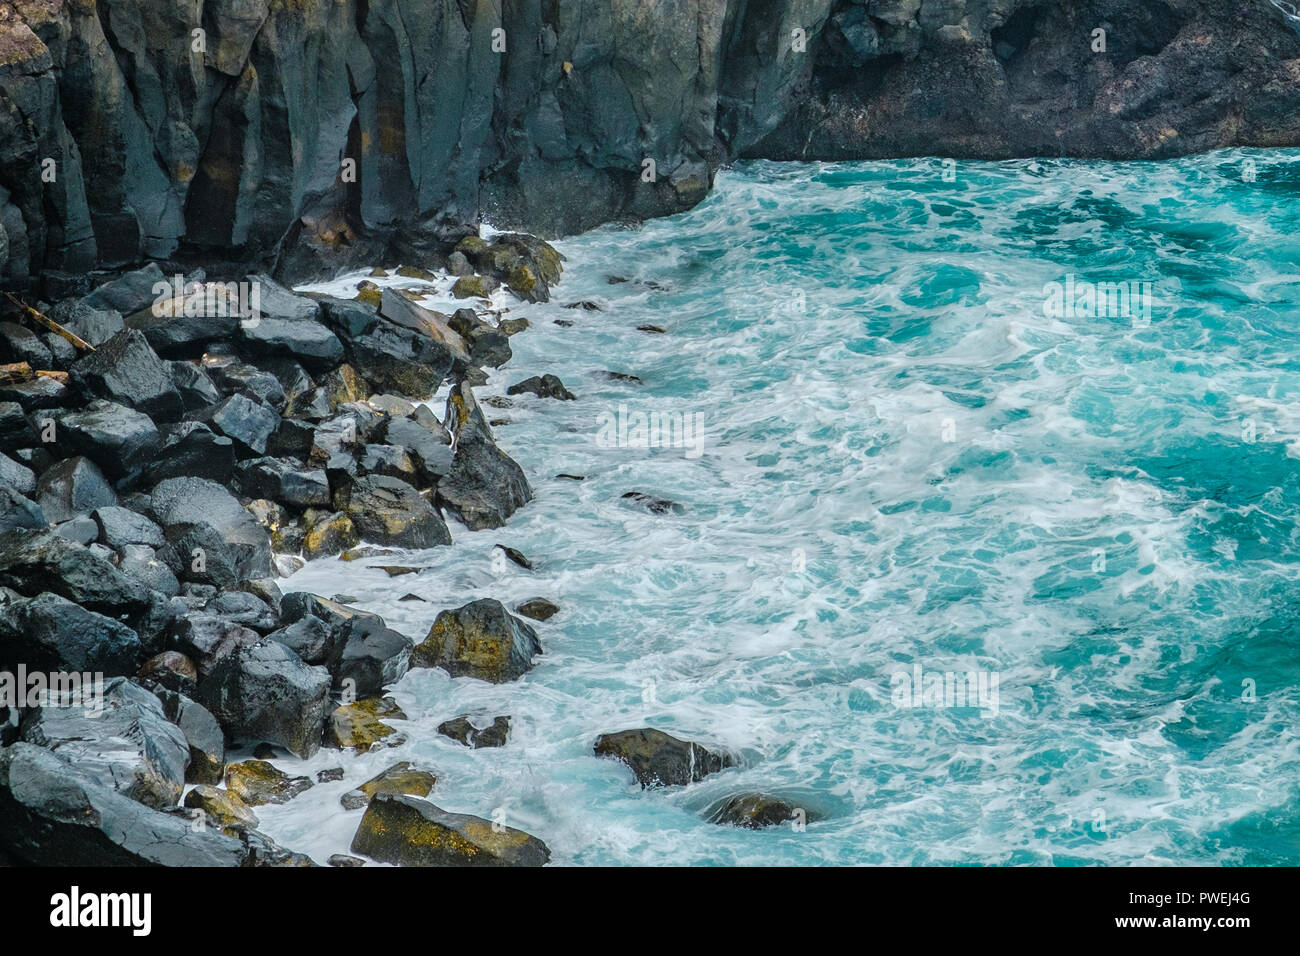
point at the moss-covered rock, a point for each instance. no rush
(329, 534)
(474, 287)
(415, 272)
(400, 778)
(481, 639)
(224, 809)
(755, 811)
(360, 726)
(408, 831)
(659, 759)
(257, 782)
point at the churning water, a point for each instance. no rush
(923, 445)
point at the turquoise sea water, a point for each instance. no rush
(906, 461)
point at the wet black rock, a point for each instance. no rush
(539, 609)
(207, 639)
(17, 476)
(54, 814)
(484, 486)
(34, 562)
(212, 538)
(18, 512)
(388, 511)
(193, 450)
(247, 421)
(544, 386)
(310, 638)
(72, 487)
(463, 729)
(370, 656)
(755, 811)
(127, 371)
(244, 608)
(195, 386)
(658, 759)
(123, 741)
(51, 633)
(489, 346)
(304, 339)
(399, 779)
(119, 527)
(660, 506)
(119, 438)
(139, 561)
(428, 443)
(283, 480)
(203, 735)
(128, 293)
(481, 639)
(265, 692)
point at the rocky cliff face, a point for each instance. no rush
(322, 133)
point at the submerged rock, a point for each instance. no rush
(408, 831)
(539, 609)
(400, 778)
(658, 759)
(544, 386)
(462, 728)
(754, 811)
(481, 639)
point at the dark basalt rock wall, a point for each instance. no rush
(125, 134)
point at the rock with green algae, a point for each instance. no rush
(400, 778)
(258, 782)
(360, 726)
(481, 639)
(408, 831)
(659, 759)
(224, 809)
(474, 287)
(755, 811)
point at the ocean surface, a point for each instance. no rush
(922, 453)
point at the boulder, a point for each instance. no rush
(208, 639)
(129, 292)
(310, 638)
(408, 831)
(20, 513)
(15, 429)
(463, 729)
(119, 527)
(53, 813)
(658, 759)
(359, 726)
(428, 443)
(264, 692)
(328, 534)
(388, 511)
(195, 386)
(400, 778)
(139, 561)
(51, 633)
(173, 334)
(122, 741)
(539, 609)
(223, 809)
(481, 639)
(73, 487)
(370, 656)
(212, 538)
(484, 485)
(193, 450)
(282, 480)
(202, 733)
(22, 479)
(119, 438)
(127, 371)
(247, 421)
(245, 608)
(544, 386)
(303, 339)
(32, 562)
(170, 670)
(257, 783)
(753, 811)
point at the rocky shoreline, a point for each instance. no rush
(162, 475)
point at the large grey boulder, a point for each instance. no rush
(212, 538)
(123, 742)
